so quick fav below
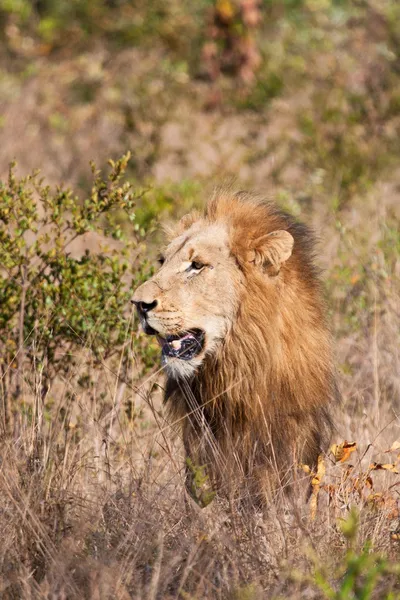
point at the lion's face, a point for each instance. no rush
(190, 303)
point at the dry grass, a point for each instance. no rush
(92, 501)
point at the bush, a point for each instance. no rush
(59, 296)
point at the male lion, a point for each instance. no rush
(237, 309)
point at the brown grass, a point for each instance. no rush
(92, 503)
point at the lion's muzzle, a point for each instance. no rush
(184, 345)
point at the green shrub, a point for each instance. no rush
(58, 295)
(359, 573)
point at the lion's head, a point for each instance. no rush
(192, 302)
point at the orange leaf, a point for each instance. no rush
(388, 467)
(319, 475)
(363, 482)
(342, 452)
(306, 469)
(316, 483)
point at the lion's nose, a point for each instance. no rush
(144, 307)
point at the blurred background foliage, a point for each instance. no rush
(130, 69)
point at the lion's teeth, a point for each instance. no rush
(176, 344)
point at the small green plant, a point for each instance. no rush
(200, 486)
(360, 573)
(59, 295)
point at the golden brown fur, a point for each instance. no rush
(259, 402)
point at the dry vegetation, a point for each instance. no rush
(92, 500)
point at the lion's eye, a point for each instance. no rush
(196, 266)
(161, 259)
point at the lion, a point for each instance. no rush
(238, 311)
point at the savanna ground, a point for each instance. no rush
(298, 99)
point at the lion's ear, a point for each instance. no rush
(272, 250)
(172, 230)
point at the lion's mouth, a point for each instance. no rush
(184, 345)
